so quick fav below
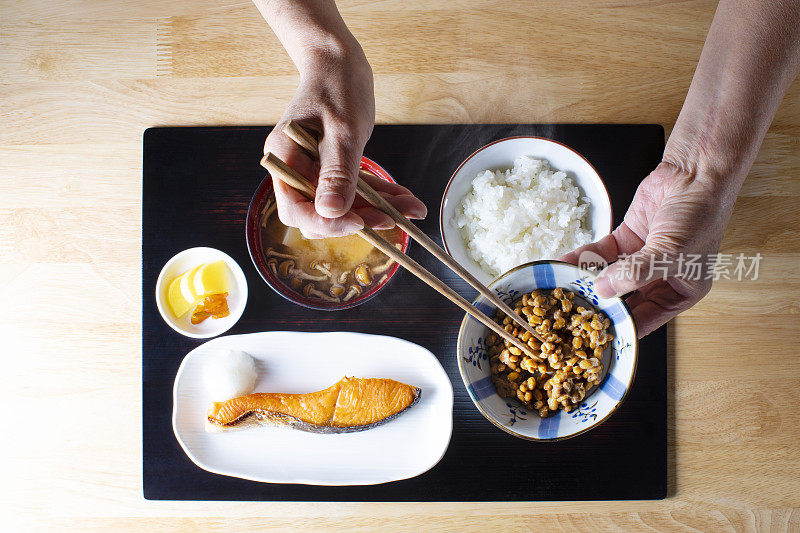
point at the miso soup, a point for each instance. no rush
(335, 269)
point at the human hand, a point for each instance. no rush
(672, 213)
(335, 100)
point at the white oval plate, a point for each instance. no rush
(297, 362)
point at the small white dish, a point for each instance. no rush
(297, 362)
(619, 359)
(211, 327)
(500, 155)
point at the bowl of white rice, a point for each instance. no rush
(522, 199)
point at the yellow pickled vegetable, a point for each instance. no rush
(191, 287)
(177, 303)
(212, 278)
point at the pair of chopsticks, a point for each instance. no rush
(295, 180)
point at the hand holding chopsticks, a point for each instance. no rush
(288, 175)
(309, 143)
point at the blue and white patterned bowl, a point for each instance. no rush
(619, 359)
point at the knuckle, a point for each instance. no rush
(286, 214)
(270, 143)
(346, 139)
(347, 132)
(340, 119)
(286, 218)
(336, 176)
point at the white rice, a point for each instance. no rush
(527, 213)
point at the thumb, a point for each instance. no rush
(632, 272)
(340, 158)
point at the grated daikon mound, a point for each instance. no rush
(229, 374)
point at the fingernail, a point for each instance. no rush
(414, 208)
(603, 287)
(332, 201)
(418, 212)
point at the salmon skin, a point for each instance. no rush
(352, 404)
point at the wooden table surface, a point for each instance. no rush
(82, 79)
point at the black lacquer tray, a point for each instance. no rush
(197, 186)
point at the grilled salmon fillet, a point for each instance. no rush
(352, 404)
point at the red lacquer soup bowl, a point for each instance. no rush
(255, 246)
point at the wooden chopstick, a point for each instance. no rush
(307, 141)
(291, 177)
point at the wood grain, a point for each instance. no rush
(83, 79)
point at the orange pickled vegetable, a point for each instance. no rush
(214, 306)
